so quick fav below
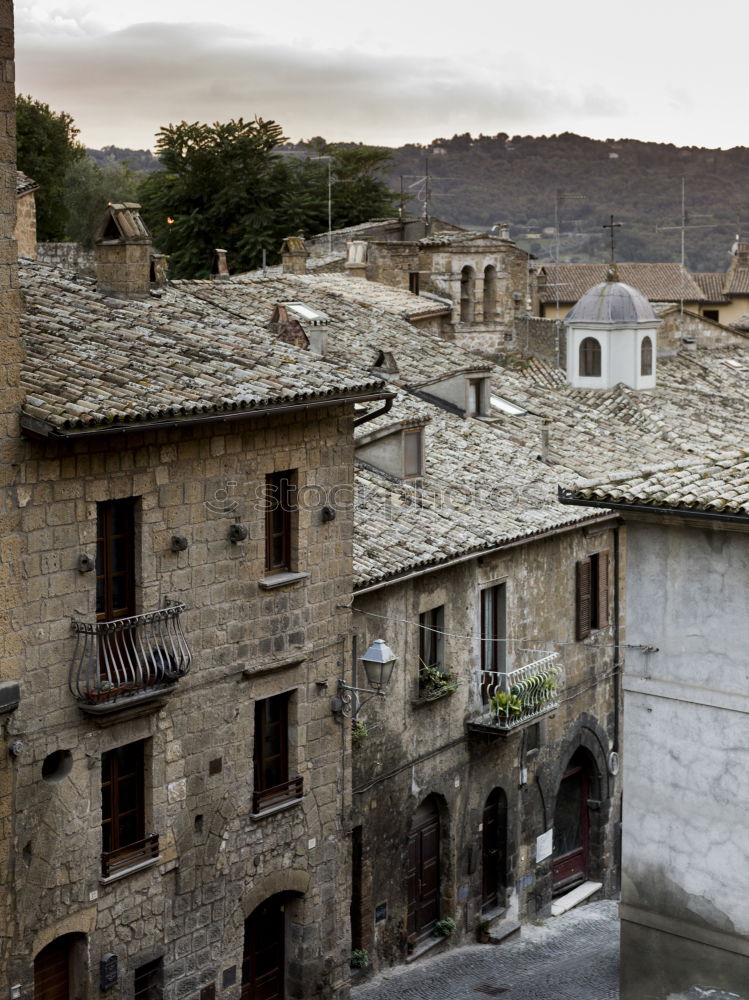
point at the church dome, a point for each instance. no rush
(612, 302)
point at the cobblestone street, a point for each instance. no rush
(572, 957)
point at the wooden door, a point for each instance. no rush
(263, 965)
(570, 860)
(494, 850)
(423, 874)
(52, 971)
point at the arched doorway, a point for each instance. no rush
(264, 956)
(423, 875)
(571, 824)
(58, 969)
(494, 851)
(467, 294)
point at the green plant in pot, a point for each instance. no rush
(483, 928)
(444, 927)
(505, 705)
(359, 733)
(359, 958)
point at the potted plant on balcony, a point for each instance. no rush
(505, 705)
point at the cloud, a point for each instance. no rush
(122, 86)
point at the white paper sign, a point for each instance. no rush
(544, 845)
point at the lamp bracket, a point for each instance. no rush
(345, 704)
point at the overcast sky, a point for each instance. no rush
(391, 71)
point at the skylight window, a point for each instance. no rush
(507, 407)
(306, 313)
(732, 364)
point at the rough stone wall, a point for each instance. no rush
(541, 338)
(123, 269)
(417, 748)
(217, 862)
(71, 256)
(391, 263)
(704, 332)
(25, 233)
(11, 355)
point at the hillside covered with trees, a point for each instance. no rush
(529, 182)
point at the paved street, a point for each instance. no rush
(572, 957)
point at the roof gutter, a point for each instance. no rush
(596, 519)
(39, 428)
(366, 417)
(567, 497)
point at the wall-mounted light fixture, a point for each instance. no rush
(378, 661)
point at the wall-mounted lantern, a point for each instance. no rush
(378, 662)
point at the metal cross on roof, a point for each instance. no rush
(612, 226)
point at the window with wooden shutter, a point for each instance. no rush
(583, 573)
(592, 594)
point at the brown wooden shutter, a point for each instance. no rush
(583, 598)
(603, 589)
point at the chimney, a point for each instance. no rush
(294, 255)
(123, 253)
(356, 258)
(504, 230)
(159, 269)
(220, 270)
(740, 252)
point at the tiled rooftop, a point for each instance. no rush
(657, 282)
(712, 286)
(24, 184)
(718, 486)
(96, 361)
(360, 291)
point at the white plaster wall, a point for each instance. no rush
(686, 725)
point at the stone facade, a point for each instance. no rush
(217, 860)
(71, 256)
(11, 395)
(422, 746)
(26, 225)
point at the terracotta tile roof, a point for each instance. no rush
(712, 286)
(371, 294)
(658, 282)
(737, 281)
(719, 486)
(94, 361)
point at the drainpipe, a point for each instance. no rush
(617, 640)
(375, 413)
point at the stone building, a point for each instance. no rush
(685, 918)
(177, 566)
(25, 230)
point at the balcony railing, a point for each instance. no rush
(269, 798)
(515, 698)
(120, 662)
(124, 858)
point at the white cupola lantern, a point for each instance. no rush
(611, 337)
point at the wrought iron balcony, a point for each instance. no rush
(119, 663)
(514, 699)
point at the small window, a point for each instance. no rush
(124, 840)
(646, 356)
(592, 594)
(279, 508)
(476, 396)
(431, 639)
(413, 282)
(271, 758)
(713, 314)
(412, 454)
(148, 981)
(590, 358)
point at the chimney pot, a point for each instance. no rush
(356, 258)
(294, 255)
(123, 253)
(220, 265)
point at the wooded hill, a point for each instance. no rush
(477, 182)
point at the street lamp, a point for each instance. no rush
(378, 662)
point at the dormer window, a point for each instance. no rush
(477, 397)
(413, 457)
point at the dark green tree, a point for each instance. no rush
(231, 185)
(89, 188)
(47, 148)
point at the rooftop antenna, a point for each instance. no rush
(683, 228)
(427, 198)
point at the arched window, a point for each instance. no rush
(467, 284)
(490, 292)
(646, 356)
(424, 869)
(590, 358)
